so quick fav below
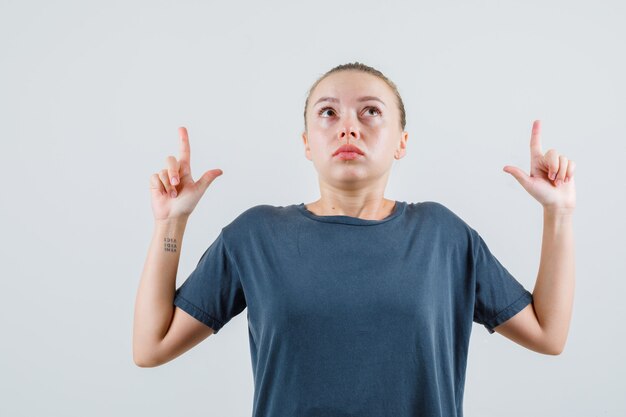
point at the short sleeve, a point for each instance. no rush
(499, 296)
(212, 293)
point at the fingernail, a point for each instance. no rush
(558, 182)
(173, 193)
(174, 180)
(553, 176)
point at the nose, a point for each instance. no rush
(348, 132)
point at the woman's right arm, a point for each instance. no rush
(162, 331)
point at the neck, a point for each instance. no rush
(367, 209)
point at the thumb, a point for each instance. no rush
(207, 178)
(519, 175)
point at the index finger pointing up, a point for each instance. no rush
(535, 140)
(185, 152)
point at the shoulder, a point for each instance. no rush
(439, 211)
(433, 207)
(259, 213)
(254, 218)
(441, 217)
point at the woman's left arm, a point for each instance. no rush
(553, 294)
(551, 182)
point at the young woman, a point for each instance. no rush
(358, 305)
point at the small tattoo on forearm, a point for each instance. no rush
(170, 244)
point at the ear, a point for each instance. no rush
(401, 149)
(307, 151)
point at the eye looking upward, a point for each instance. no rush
(323, 109)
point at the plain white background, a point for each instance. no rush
(92, 94)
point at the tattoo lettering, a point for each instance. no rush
(170, 244)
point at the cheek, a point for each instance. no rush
(320, 139)
(384, 149)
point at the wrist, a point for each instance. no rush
(557, 216)
(558, 211)
(176, 222)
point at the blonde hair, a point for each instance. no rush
(357, 66)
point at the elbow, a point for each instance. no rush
(144, 360)
(555, 349)
(142, 363)
(146, 353)
(552, 352)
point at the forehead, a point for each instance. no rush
(348, 85)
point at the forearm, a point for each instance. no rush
(553, 294)
(154, 302)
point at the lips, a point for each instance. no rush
(348, 148)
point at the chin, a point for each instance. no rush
(348, 174)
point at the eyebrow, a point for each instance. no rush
(336, 100)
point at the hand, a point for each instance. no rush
(551, 179)
(174, 192)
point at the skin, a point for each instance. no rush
(543, 325)
(353, 187)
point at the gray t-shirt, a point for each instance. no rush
(354, 317)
